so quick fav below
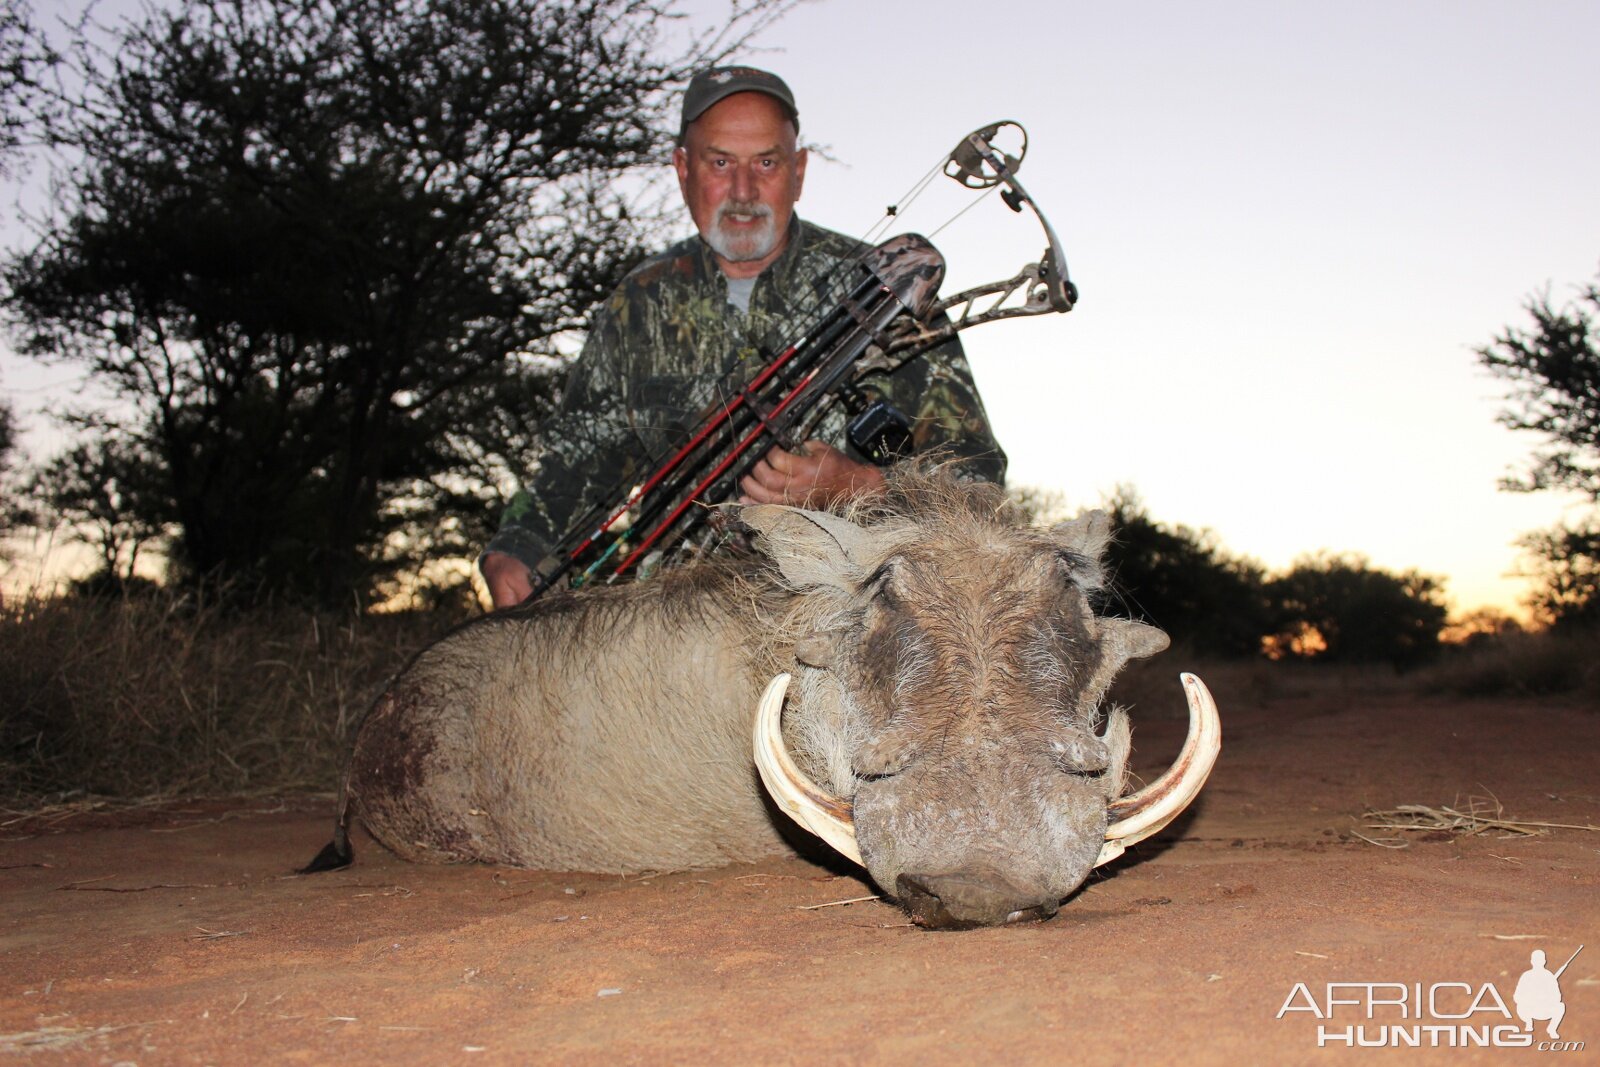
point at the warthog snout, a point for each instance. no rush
(976, 896)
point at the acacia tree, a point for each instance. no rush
(107, 491)
(1564, 563)
(13, 512)
(25, 57)
(323, 251)
(1358, 613)
(1553, 371)
(1185, 582)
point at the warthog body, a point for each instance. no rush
(948, 671)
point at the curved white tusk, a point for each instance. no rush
(1137, 816)
(798, 796)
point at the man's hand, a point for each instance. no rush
(510, 581)
(819, 476)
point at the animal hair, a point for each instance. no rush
(922, 499)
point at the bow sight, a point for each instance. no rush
(889, 314)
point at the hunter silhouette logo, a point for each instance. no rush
(1439, 1014)
(1538, 994)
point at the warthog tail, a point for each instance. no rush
(334, 855)
(337, 853)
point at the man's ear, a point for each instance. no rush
(800, 158)
(680, 163)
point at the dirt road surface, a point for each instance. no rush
(177, 935)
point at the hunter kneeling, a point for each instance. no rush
(699, 320)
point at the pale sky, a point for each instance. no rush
(1290, 223)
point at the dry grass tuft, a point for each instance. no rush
(1149, 688)
(1481, 815)
(110, 701)
(54, 1038)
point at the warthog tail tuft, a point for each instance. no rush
(335, 855)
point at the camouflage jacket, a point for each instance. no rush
(662, 344)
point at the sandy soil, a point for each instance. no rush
(176, 936)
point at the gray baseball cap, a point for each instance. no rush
(711, 86)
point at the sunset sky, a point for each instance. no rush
(1291, 223)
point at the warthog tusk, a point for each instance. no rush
(822, 813)
(1135, 817)
(1138, 815)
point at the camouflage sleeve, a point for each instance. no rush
(936, 390)
(586, 456)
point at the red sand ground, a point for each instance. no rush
(176, 936)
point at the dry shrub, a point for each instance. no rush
(160, 695)
(1150, 687)
(1542, 663)
(1546, 663)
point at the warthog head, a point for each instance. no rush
(949, 676)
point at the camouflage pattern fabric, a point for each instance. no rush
(666, 343)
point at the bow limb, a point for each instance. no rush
(1037, 289)
(1055, 291)
(970, 307)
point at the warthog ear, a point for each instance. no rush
(1083, 541)
(1132, 640)
(1120, 640)
(811, 548)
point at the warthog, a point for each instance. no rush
(948, 681)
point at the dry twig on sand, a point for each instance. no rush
(1480, 815)
(837, 903)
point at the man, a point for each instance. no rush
(683, 320)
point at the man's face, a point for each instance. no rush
(741, 174)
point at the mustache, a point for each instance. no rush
(753, 207)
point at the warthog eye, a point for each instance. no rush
(1082, 755)
(1081, 570)
(1092, 774)
(877, 585)
(881, 760)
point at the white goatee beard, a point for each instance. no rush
(748, 246)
